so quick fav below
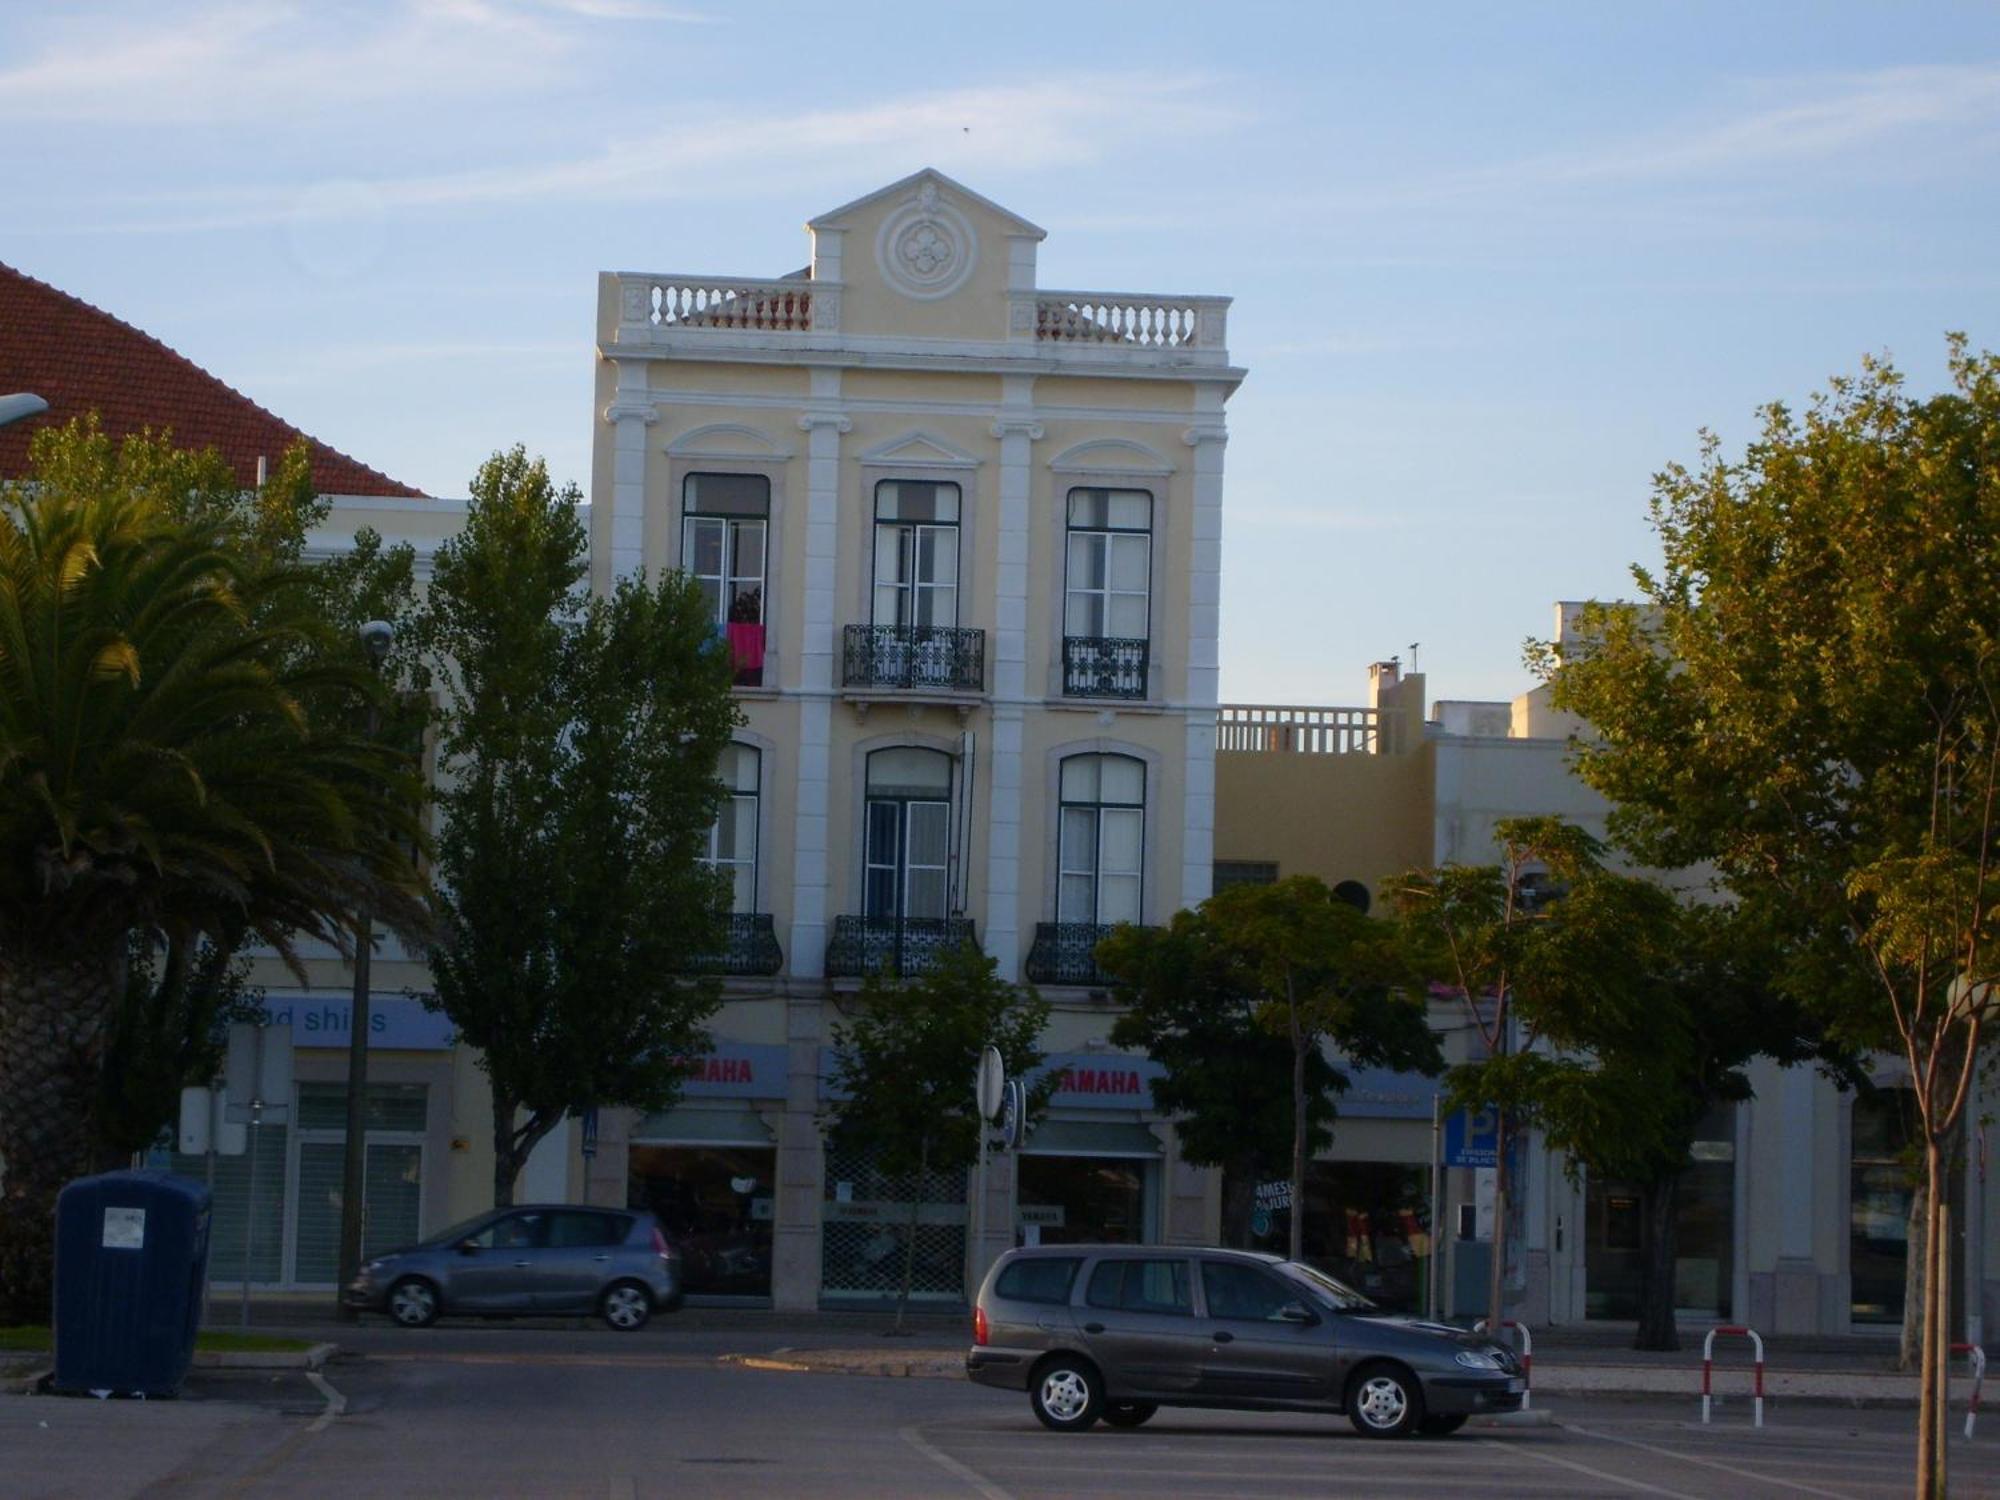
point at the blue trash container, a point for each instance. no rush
(131, 1266)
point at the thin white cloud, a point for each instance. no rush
(699, 152)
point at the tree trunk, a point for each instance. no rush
(1916, 1260)
(1239, 1201)
(56, 1010)
(506, 1155)
(1930, 1447)
(1295, 1244)
(1657, 1329)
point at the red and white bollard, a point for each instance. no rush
(1525, 1342)
(1708, 1366)
(1978, 1357)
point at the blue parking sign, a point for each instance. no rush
(1472, 1138)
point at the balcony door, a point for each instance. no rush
(1101, 848)
(916, 554)
(908, 833)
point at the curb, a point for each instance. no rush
(245, 1359)
(24, 1380)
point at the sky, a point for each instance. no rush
(1493, 266)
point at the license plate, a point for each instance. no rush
(1516, 1386)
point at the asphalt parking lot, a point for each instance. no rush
(643, 1418)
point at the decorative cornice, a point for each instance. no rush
(1194, 437)
(619, 411)
(838, 421)
(1027, 426)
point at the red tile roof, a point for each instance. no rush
(79, 359)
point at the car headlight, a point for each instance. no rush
(1477, 1359)
(369, 1267)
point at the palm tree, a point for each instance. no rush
(178, 752)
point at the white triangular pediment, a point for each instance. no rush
(728, 440)
(915, 183)
(919, 450)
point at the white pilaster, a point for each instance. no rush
(824, 424)
(1207, 438)
(630, 413)
(1018, 432)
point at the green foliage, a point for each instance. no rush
(906, 1060)
(1211, 998)
(577, 741)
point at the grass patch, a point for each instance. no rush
(35, 1339)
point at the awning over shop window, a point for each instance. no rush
(688, 1125)
(1091, 1138)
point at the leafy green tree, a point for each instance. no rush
(905, 1064)
(1806, 698)
(1238, 1000)
(577, 742)
(1636, 1013)
(177, 757)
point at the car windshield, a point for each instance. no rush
(1337, 1295)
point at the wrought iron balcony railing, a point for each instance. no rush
(893, 945)
(941, 658)
(1102, 666)
(1066, 953)
(749, 946)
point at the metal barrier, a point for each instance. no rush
(1708, 1366)
(1978, 1379)
(1526, 1343)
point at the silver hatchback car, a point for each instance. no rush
(1118, 1331)
(536, 1260)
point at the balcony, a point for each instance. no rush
(1101, 666)
(1285, 729)
(1066, 953)
(749, 946)
(922, 658)
(893, 945)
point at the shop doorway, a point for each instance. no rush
(1080, 1200)
(1366, 1222)
(1705, 1238)
(716, 1204)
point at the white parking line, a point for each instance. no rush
(1621, 1480)
(336, 1404)
(951, 1465)
(1709, 1463)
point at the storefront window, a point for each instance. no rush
(1881, 1190)
(1368, 1223)
(714, 1202)
(1076, 1200)
(866, 1227)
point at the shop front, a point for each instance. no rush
(1705, 1232)
(278, 1203)
(1091, 1171)
(707, 1169)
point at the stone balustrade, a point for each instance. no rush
(714, 302)
(1131, 320)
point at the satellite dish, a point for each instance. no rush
(992, 1078)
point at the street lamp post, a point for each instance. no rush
(377, 636)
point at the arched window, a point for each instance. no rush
(1102, 842)
(908, 849)
(732, 842)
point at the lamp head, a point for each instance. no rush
(378, 636)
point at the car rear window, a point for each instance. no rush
(1038, 1279)
(1149, 1286)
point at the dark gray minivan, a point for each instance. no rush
(1118, 1331)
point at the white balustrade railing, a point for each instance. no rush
(703, 302)
(1285, 729)
(1131, 320)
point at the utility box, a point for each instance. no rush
(131, 1264)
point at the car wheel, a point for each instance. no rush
(1443, 1426)
(413, 1302)
(1129, 1413)
(1384, 1401)
(626, 1306)
(1066, 1394)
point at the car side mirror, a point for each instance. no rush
(468, 1247)
(1297, 1312)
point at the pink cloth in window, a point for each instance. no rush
(746, 645)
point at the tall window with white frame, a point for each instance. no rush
(725, 534)
(1107, 593)
(732, 841)
(912, 638)
(908, 852)
(1101, 848)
